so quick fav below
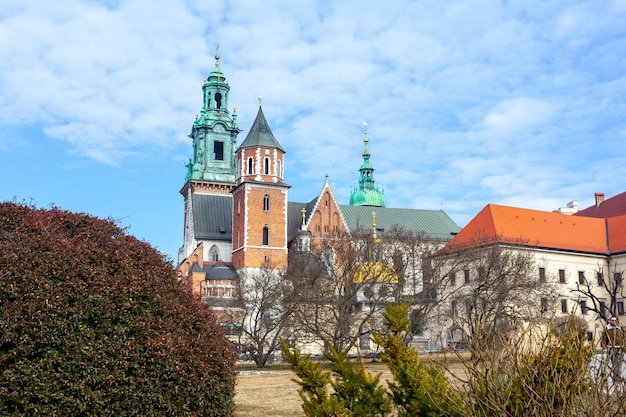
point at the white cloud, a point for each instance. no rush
(519, 114)
(461, 110)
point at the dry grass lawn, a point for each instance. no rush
(270, 392)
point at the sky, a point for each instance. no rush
(468, 103)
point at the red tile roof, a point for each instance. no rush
(542, 229)
(611, 207)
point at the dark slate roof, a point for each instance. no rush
(611, 207)
(212, 217)
(294, 216)
(222, 302)
(260, 134)
(435, 223)
(222, 271)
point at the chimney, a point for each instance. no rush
(599, 198)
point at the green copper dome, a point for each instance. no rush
(367, 193)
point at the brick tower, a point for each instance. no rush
(259, 201)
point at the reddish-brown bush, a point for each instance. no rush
(94, 322)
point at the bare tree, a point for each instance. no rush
(487, 288)
(342, 287)
(611, 290)
(265, 298)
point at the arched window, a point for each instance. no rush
(214, 253)
(267, 166)
(218, 100)
(266, 203)
(266, 235)
(249, 166)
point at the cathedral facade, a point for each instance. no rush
(237, 212)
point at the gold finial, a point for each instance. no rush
(374, 223)
(365, 139)
(217, 52)
(234, 109)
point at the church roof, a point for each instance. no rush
(260, 134)
(212, 217)
(435, 223)
(541, 229)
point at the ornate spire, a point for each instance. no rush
(367, 193)
(214, 132)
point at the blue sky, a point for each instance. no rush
(520, 103)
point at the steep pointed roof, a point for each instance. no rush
(260, 134)
(502, 224)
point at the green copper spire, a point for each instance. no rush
(214, 132)
(367, 193)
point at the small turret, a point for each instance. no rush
(367, 193)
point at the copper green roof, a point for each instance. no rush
(367, 193)
(435, 223)
(260, 134)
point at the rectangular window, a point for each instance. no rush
(468, 309)
(266, 203)
(583, 307)
(266, 236)
(581, 278)
(600, 278)
(617, 276)
(453, 279)
(620, 308)
(218, 151)
(563, 305)
(562, 276)
(602, 308)
(453, 308)
(542, 275)
(544, 304)
(466, 274)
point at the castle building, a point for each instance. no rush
(581, 256)
(237, 213)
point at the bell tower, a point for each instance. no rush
(214, 133)
(211, 171)
(260, 200)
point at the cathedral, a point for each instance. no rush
(237, 212)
